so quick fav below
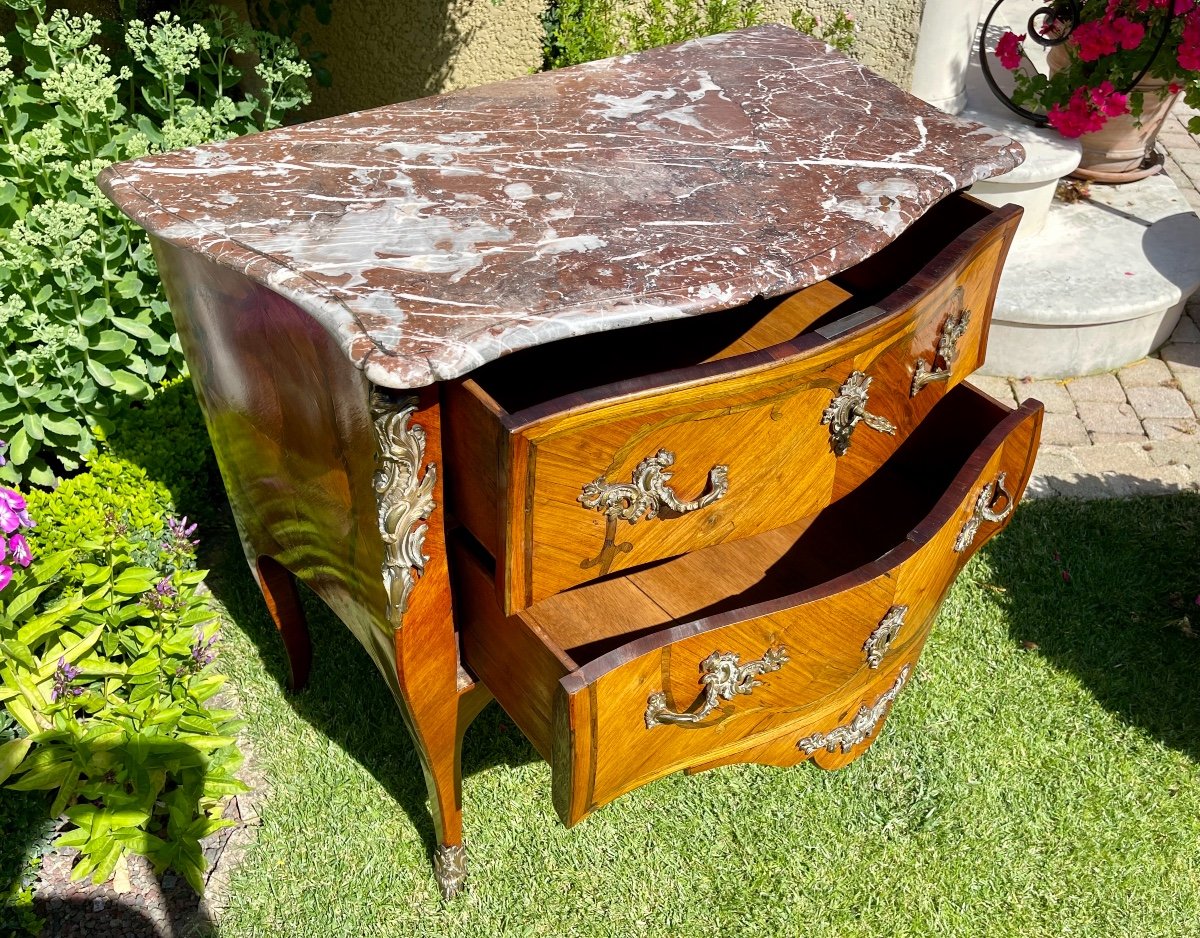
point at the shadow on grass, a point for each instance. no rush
(75, 915)
(346, 699)
(1108, 591)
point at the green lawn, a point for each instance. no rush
(1038, 777)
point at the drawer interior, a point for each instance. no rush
(581, 624)
(578, 364)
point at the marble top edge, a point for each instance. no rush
(432, 236)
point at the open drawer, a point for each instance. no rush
(578, 459)
(693, 660)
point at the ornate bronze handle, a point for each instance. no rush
(722, 677)
(984, 512)
(848, 407)
(952, 330)
(879, 641)
(858, 730)
(649, 492)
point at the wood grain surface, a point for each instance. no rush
(817, 589)
(291, 427)
(759, 414)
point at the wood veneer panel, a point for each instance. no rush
(520, 665)
(824, 630)
(764, 420)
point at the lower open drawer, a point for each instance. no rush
(703, 658)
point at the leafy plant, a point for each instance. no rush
(72, 513)
(583, 30)
(286, 18)
(83, 323)
(837, 32)
(111, 684)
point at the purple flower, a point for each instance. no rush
(64, 674)
(203, 653)
(20, 549)
(181, 535)
(164, 587)
(3, 446)
(6, 575)
(13, 512)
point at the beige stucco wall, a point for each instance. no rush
(887, 30)
(379, 53)
(384, 52)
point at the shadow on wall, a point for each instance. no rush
(381, 53)
(1090, 587)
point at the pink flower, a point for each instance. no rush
(1189, 44)
(1129, 34)
(20, 550)
(1095, 39)
(1008, 50)
(1109, 100)
(1088, 110)
(9, 519)
(6, 574)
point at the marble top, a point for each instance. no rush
(433, 236)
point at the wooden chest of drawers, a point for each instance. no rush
(630, 395)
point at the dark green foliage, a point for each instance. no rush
(165, 438)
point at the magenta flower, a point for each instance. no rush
(6, 575)
(20, 550)
(1008, 50)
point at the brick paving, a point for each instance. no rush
(1137, 430)
(1130, 432)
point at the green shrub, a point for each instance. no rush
(83, 323)
(79, 508)
(166, 439)
(584, 30)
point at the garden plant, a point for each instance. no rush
(583, 30)
(84, 325)
(1110, 46)
(107, 635)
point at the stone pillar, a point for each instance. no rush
(944, 51)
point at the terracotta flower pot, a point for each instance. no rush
(1123, 144)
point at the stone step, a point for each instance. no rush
(1048, 157)
(1102, 285)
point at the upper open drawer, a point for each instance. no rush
(596, 454)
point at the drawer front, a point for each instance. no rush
(658, 474)
(640, 713)
(840, 728)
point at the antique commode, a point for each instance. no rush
(453, 363)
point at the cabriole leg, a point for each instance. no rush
(282, 596)
(408, 488)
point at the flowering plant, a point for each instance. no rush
(1113, 44)
(107, 673)
(84, 327)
